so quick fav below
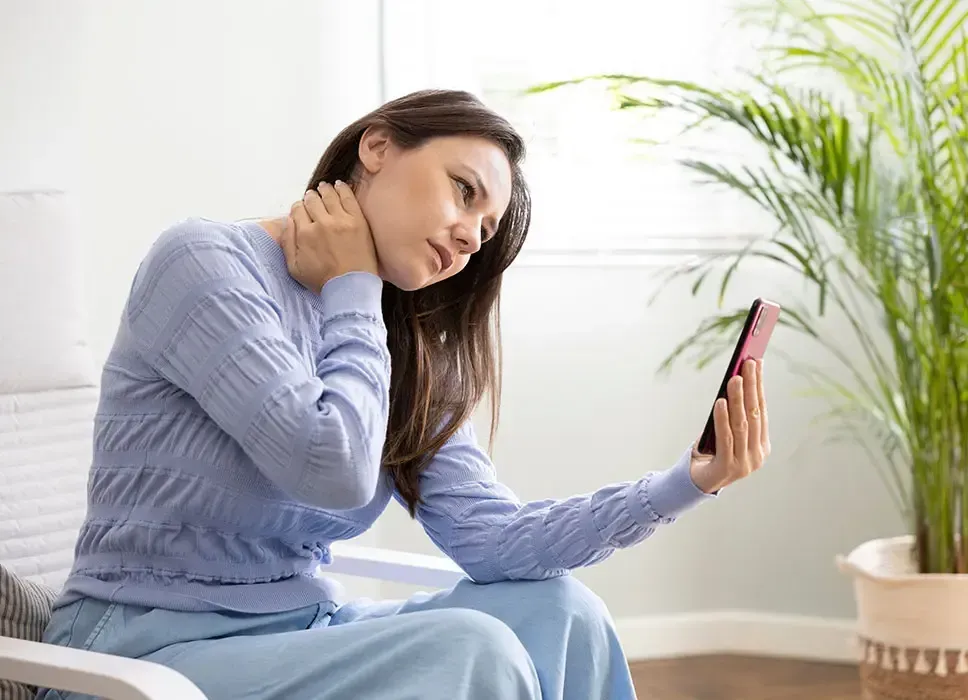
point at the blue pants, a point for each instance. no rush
(536, 639)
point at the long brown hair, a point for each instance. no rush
(444, 340)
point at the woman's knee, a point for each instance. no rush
(568, 594)
(479, 632)
(564, 605)
(499, 664)
(571, 593)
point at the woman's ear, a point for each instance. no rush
(375, 145)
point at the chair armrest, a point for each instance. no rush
(391, 565)
(91, 673)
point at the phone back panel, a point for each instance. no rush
(752, 343)
(756, 336)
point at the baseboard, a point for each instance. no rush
(737, 632)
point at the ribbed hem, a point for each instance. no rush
(270, 251)
(276, 596)
(670, 493)
(355, 293)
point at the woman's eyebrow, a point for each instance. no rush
(479, 182)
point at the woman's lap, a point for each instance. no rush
(470, 642)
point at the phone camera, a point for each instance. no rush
(757, 322)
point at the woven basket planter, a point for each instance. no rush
(912, 628)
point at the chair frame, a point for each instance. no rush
(119, 678)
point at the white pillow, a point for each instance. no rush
(43, 327)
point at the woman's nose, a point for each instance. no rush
(468, 236)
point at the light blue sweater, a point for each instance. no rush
(239, 434)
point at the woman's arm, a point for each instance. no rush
(200, 317)
(493, 536)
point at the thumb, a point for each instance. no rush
(288, 242)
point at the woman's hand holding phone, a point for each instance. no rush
(742, 433)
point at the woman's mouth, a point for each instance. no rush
(444, 257)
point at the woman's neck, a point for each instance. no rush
(274, 227)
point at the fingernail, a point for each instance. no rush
(338, 183)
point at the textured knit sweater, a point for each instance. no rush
(239, 434)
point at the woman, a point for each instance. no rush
(249, 418)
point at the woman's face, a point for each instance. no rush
(431, 208)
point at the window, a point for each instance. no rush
(593, 189)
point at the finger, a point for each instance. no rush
(288, 240)
(752, 403)
(764, 419)
(300, 218)
(315, 206)
(347, 198)
(330, 198)
(737, 418)
(724, 436)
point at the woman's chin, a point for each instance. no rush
(408, 279)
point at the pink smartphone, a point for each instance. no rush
(759, 325)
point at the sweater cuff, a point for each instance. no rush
(354, 293)
(670, 493)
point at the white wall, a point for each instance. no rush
(583, 406)
(152, 111)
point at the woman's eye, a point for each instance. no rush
(467, 190)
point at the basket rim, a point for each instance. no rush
(859, 563)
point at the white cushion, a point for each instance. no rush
(42, 316)
(45, 455)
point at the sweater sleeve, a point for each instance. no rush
(480, 524)
(202, 320)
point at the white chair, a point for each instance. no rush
(118, 678)
(48, 396)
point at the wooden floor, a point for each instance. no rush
(744, 678)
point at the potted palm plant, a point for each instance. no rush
(865, 181)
